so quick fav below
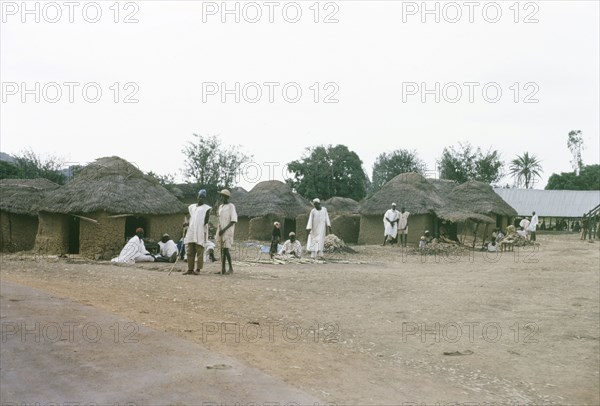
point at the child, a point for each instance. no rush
(423, 243)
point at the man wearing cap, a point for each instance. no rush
(532, 227)
(168, 249)
(134, 250)
(403, 226)
(292, 246)
(390, 224)
(318, 226)
(226, 229)
(197, 234)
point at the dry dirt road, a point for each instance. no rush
(518, 328)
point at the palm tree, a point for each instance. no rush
(525, 169)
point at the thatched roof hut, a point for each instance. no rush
(112, 185)
(102, 206)
(19, 199)
(480, 198)
(267, 202)
(22, 196)
(342, 205)
(409, 190)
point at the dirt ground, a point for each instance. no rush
(375, 328)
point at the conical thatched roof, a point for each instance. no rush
(409, 190)
(113, 185)
(21, 196)
(341, 205)
(480, 198)
(452, 210)
(272, 198)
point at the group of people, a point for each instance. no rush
(528, 227)
(135, 250)
(395, 223)
(197, 240)
(318, 226)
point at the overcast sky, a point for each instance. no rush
(374, 58)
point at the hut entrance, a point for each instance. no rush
(289, 225)
(73, 235)
(133, 222)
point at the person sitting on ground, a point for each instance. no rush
(292, 246)
(275, 238)
(168, 250)
(135, 250)
(492, 246)
(209, 250)
(521, 232)
(428, 236)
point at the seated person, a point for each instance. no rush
(168, 250)
(209, 250)
(521, 232)
(292, 246)
(492, 246)
(135, 250)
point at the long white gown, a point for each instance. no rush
(318, 221)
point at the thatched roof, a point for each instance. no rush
(409, 190)
(480, 198)
(341, 205)
(439, 197)
(113, 185)
(271, 198)
(21, 196)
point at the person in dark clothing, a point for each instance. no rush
(275, 238)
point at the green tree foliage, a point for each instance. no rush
(464, 163)
(525, 169)
(211, 165)
(29, 165)
(389, 165)
(575, 145)
(587, 179)
(326, 172)
(165, 180)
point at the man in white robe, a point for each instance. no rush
(403, 226)
(390, 224)
(318, 226)
(167, 249)
(135, 250)
(197, 234)
(532, 228)
(524, 224)
(292, 246)
(226, 230)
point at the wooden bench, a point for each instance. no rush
(507, 246)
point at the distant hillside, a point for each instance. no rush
(6, 157)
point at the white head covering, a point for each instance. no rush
(316, 200)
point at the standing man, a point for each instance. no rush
(318, 226)
(533, 225)
(390, 224)
(226, 229)
(403, 226)
(197, 233)
(275, 238)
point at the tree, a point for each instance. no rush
(29, 165)
(525, 169)
(575, 145)
(587, 179)
(464, 163)
(325, 172)
(168, 179)
(211, 165)
(389, 165)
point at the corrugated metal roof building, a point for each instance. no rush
(551, 203)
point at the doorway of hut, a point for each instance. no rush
(74, 223)
(289, 225)
(132, 223)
